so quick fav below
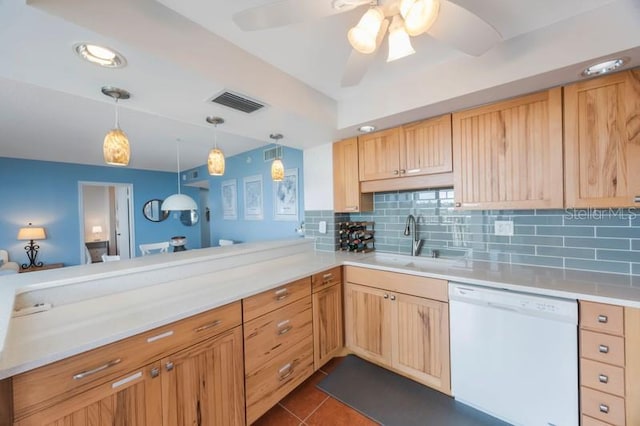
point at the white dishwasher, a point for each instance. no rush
(515, 355)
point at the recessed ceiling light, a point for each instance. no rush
(604, 67)
(100, 55)
(367, 128)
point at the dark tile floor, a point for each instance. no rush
(309, 406)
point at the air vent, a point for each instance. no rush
(237, 101)
(272, 153)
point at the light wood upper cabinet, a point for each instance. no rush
(602, 141)
(204, 384)
(346, 183)
(327, 324)
(417, 155)
(508, 155)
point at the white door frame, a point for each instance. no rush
(81, 185)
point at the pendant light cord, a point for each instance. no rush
(117, 121)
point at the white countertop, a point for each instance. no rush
(93, 305)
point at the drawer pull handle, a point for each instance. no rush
(155, 372)
(327, 277)
(103, 367)
(287, 370)
(281, 294)
(604, 408)
(284, 330)
(169, 366)
(351, 208)
(604, 349)
(160, 336)
(208, 326)
(603, 319)
(602, 378)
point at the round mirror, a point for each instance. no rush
(151, 211)
(189, 217)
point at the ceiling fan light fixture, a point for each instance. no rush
(399, 42)
(363, 36)
(419, 15)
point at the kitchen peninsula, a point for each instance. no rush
(81, 308)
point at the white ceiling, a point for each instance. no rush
(182, 52)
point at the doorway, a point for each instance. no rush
(106, 220)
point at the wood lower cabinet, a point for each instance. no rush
(508, 155)
(346, 184)
(327, 324)
(602, 141)
(204, 384)
(609, 364)
(408, 333)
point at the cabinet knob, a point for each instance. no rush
(393, 297)
(604, 349)
(603, 319)
(402, 171)
(458, 204)
(385, 296)
(155, 372)
(168, 366)
(604, 408)
(396, 172)
(603, 378)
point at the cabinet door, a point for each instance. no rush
(427, 147)
(368, 322)
(508, 155)
(327, 324)
(379, 156)
(346, 183)
(602, 141)
(133, 399)
(204, 384)
(420, 340)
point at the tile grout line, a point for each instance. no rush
(290, 412)
(315, 409)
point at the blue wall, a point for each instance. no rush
(238, 167)
(46, 194)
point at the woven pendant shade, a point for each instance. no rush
(277, 170)
(215, 162)
(116, 148)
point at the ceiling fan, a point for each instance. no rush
(443, 20)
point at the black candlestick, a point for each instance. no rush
(32, 252)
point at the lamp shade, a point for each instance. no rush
(277, 170)
(419, 15)
(96, 229)
(116, 148)
(32, 233)
(399, 42)
(215, 162)
(178, 202)
(364, 35)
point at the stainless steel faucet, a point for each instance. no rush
(410, 228)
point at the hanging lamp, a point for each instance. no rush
(115, 148)
(179, 201)
(215, 161)
(277, 167)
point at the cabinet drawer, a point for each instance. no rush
(55, 382)
(602, 377)
(590, 421)
(271, 334)
(602, 317)
(602, 406)
(602, 347)
(276, 378)
(270, 300)
(326, 278)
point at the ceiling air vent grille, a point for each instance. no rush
(272, 153)
(237, 102)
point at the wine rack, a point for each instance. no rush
(357, 237)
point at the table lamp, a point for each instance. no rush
(31, 233)
(97, 231)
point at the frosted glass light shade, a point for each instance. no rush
(419, 15)
(116, 148)
(96, 229)
(363, 36)
(215, 162)
(399, 42)
(178, 202)
(32, 233)
(277, 170)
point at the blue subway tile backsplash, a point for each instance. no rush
(604, 240)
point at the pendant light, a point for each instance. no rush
(277, 168)
(179, 201)
(115, 148)
(215, 161)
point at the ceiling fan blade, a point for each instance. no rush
(358, 63)
(284, 12)
(463, 30)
